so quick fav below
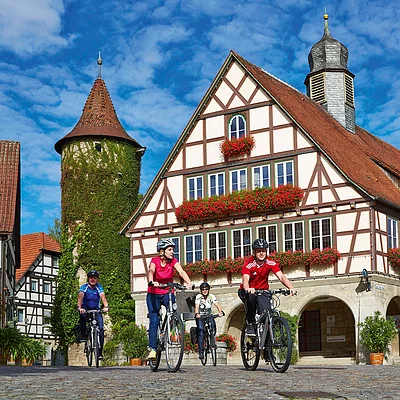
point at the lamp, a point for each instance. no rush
(365, 279)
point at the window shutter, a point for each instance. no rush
(348, 81)
(317, 84)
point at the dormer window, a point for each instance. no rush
(237, 127)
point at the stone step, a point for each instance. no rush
(325, 360)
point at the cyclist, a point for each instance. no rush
(205, 300)
(255, 273)
(161, 271)
(89, 297)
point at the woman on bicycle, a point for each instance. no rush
(204, 300)
(255, 273)
(161, 271)
(89, 297)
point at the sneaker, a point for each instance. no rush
(100, 357)
(152, 355)
(250, 330)
(201, 355)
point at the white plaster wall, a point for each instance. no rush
(138, 266)
(259, 118)
(153, 203)
(262, 146)
(302, 141)
(144, 221)
(214, 155)
(345, 222)
(334, 176)
(260, 97)
(278, 117)
(171, 218)
(47, 259)
(347, 193)
(283, 140)
(327, 196)
(235, 74)
(362, 242)
(215, 127)
(247, 89)
(224, 93)
(213, 106)
(160, 219)
(140, 285)
(175, 187)
(237, 102)
(177, 163)
(381, 221)
(194, 156)
(306, 163)
(364, 220)
(149, 245)
(312, 198)
(343, 243)
(197, 132)
(378, 242)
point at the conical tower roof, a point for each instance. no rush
(98, 118)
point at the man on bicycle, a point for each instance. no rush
(161, 271)
(89, 297)
(204, 301)
(255, 273)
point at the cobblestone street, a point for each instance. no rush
(198, 382)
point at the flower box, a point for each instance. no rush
(237, 147)
(393, 256)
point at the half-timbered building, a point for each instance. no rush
(10, 226)
(350, 202)
(35, 287)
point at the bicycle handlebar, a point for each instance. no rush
(284, 292)
(170, 285)
(206, 315)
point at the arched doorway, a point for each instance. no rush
(234, 325)
(327, 328)
(393, 311)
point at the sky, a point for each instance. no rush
(159, 58)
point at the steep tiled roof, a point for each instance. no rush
(352, 153)
(32, 245)
(98, 118)
(9, 182)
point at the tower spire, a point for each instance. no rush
(99, 62)
(326, 27)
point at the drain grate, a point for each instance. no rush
(309, 395)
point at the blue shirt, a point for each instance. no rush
(91, 298)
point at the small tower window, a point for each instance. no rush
(317, 86)
(97, 146)
(349, 84)
(237, 127)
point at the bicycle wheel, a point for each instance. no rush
(249, 350)
(174, 343)
(213, 348)
(206, 348)
(280, 346)
(88, 349)
(96, 347)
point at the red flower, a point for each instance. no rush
(394, 257)
(234, 147)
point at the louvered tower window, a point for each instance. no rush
(348, 81)
(317, 86)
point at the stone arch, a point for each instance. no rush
(393, 310)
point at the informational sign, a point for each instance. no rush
(334, 339)
(330, 319)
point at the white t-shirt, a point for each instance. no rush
(205, 302)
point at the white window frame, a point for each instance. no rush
(55, 262)
(239, 180)
(321, 237)
(219, 249)
(244, 248)
(36, 290)
(177, 249)
(23, 315)
(260, 182)
(393, 233)
(272, 244)
(196, 254)
(237, 134)
(46, 310)
(294, 247)
(217, 188)
(45, 283)
(285, 175)
(197, 181)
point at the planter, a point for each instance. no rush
(376, 358)
(135, 362)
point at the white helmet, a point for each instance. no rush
(164, 243)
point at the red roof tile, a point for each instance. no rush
(32, 245)
(98, 118)
(352, 153)
(9, 185)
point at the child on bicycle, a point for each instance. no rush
(255, 273)
(204, 301)
(161, 271)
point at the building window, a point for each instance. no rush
(392, 233)
(217, 246)
(238, 180)
(241, 242)
(46, 287)
(177, 249)
(269, 233)
(216, 184)
(321, 233)
(237, 127)
(284, 173)
(193, 248)
(21, 315)
(34, 286)
(261, 177)
(46, 316)
(195, 188)
(55, 262)
(294, 236)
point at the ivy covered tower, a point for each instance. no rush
(100, 177)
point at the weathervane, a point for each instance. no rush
(99, 62)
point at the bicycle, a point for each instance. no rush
(170, 333)
(273, 340)
(210, 344)
(92, 344)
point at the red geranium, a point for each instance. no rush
(394, 257)
(235, 147)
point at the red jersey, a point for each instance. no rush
(259, 273)
(162, 274)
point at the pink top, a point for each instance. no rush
(162, 274)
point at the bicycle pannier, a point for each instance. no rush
(193, 334)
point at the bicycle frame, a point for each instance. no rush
(92, 345)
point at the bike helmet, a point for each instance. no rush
(259, 244)
(205, 285)
(164, 243)
(93, 272)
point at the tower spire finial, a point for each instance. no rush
(326, 28)
(99, 62)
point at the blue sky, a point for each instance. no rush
(159, 57)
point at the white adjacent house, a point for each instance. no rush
(350, 202)
(35, 287)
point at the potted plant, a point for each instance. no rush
(10, 339)
(134, 342)
(376, 332)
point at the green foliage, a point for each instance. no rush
(230, 341)
(134, 340)
(99, 194)
(376, 332)
(293, 321)
(10, 338)
(55, 231)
